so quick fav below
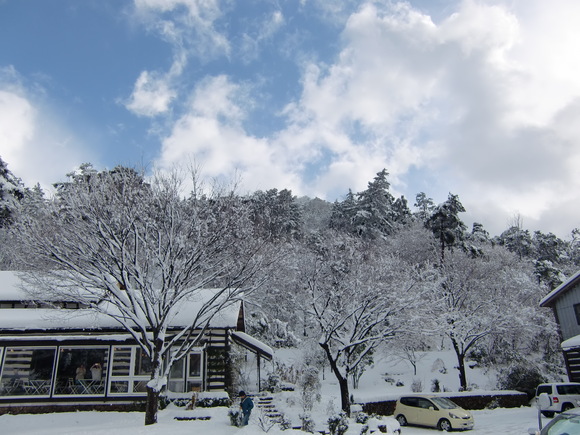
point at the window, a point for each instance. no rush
(81, 370)
(131, 370)
(186, 374)
(577, 312)
(27, 371)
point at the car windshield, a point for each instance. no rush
(444, 403)
(564, 425)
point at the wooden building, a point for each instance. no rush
(565, 303)
(75, 355)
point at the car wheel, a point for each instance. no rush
(567, 406)
(402, 420)
(548, 414)
(444, 425)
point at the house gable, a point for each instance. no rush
(565, 302)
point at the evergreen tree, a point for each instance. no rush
(375, 216)
(276, 214)
(425, 206)
(446, 224)
(12, 192)
(343, 214)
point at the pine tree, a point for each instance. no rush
(12, 192)
(375, 216)
(446, 224)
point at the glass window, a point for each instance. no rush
(577, 312)
(143, 364)
(81, 370)
(176, 381)
(194, 365)
(131, 370)
(27, 371)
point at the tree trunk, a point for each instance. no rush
(342, 380)
(460, 366)
(151, 406)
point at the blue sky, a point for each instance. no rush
(478, 98)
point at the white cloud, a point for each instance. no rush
(212, 134)
(485, 101)
(185, 24)
(33, 142)
(151, 96)
(463, 98)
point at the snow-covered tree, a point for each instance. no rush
(357, 295)
(11, 193)
(446, 224)
(425, 206)
(343, 214)
(375, 215)
(276, 213)
(111, 239)
(480, 297)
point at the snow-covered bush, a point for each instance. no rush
(235, 416)
(520, 377)
(264, 421)
(416, 386)
(362, 418)
(435, 386)
(338, 424)
(310, 388)
(284, 422)
(307, 422)
(273, 382)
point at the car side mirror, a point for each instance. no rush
(431, 408)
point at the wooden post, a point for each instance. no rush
(259, 380)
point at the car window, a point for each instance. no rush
(409, 401)
(544, 389)
(424, 403)
(444, 403)
(568, 389)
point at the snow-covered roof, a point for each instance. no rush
(571, 343)
(549, 299)
(252, 344)
(10, 289)
(87, 319)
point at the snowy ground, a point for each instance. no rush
(496, 422)
(379, 382)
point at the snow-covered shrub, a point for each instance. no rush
(520, 377)
(338, 424)
(284, 422)
(307, 422)
(400, 383)
(212, 402)
(416, 386)
(273, 382)
(493, 404)
(362, 418)
(310, 388)
(435, 386)
(264, 421)
(439, 366)
(180, 402)
(235, 416)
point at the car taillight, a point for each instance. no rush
(555, 399)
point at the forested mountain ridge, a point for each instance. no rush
(356, 275)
